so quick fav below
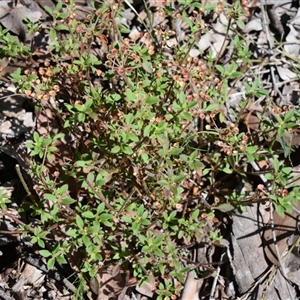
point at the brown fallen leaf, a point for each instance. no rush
(284, 228)
(111, 282)
(147, 288)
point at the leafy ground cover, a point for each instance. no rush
(153, 124)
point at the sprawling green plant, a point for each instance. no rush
(150, 157)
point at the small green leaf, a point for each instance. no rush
(36, 136)
(63, 189)
(286, 170)
(192, 104)
(158, 252)
(180, 234)
(48, 10)
(132, 137)
(152, 100)
(236, 75)
(227, 170)
(50, 263)
(288, 207)
(147, 130)
(90, 177)
(68, 201)
(163, 140)
(145, 157)
(116, 149)
(206, 171)
(145, 222)
(79, 222)
(279, 209)
(52, 34)
(127, 219)
(50, 197)
(60, 259)
(81, 117)
(286, 148)
(195, 214)
(147, 66)
(158, 239)
(172, 215)
(41, 243)
(240, 24)
(276, 164)
(130, 95)
(289, 115)
(169, 117)
(225, 207)
(88, 214)
(100, 181)
(86, 240)
(29, 145)
(105, 216)
(100, 208)
(58, 6)
(176, 107)
(179, 178)
(146, 249)
(62, 27)
(211, 107)
(252, 149)
(250, 157)
(127, 150)
(269, 176)
(72, 232)
(220, 69)
(176, 151)
(262, 92)
(45, 253)
(181, 97)
(186, 115)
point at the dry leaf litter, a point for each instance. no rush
(243, 261)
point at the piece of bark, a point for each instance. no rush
(279, 289)
(191, 286)
(248, 256)
(249, 261)
(284, 228)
